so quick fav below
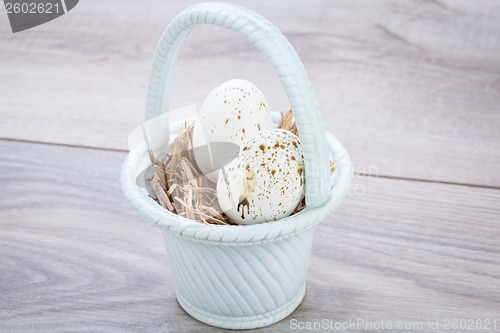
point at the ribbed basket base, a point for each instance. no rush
(243, 322)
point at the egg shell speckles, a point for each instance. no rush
(265, 182)
(232, 112)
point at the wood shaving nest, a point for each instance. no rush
(182, 189)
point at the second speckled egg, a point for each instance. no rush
(265, 182)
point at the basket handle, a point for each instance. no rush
(283, 57)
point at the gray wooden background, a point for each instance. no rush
(412, 88)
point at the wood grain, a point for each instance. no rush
(411, 88)
(75, 257)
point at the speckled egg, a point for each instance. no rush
(265, 182)
(231, 113)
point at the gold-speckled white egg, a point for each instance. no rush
(265, 182)
(233, 112)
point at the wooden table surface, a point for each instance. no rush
(412, 88)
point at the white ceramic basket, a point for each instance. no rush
(251, 276)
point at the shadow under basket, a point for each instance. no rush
(242, 277)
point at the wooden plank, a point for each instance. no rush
(74, 256)
(412, 89)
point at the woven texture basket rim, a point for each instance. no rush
(238, 235)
